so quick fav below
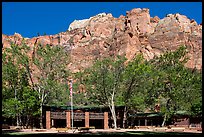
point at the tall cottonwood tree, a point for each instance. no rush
(174, 86)
(103, 82)
(9, 84)
(51, 75)
(15, 82)
(136, 76)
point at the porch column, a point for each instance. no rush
(68, 119)
(145, 122)
(86, 119)
(106, 120)
(48, 120)
(52, 122)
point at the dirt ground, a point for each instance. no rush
(91, 130)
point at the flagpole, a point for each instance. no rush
(71, 103)
(72, 111)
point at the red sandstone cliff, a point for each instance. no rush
(137, 32)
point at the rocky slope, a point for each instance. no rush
(103, 35)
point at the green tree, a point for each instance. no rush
(15, 77)
(104, 82)
(174, 87)
(190, 95)
(136, 76)
(51, 74)
(80, 96)
(30, 105)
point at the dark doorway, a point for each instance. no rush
(97, 123)
(59, 123)
(157, 122)
(79, 123)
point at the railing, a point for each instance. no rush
(79, 115)
(58, 115)
(96, 115)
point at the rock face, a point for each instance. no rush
(103, 35)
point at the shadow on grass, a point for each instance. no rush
(162, 133)
(10, 131)
(110, 134)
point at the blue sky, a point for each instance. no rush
(31, 18)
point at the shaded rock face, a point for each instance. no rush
(103, 35)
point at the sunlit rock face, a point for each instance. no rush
(137, 32)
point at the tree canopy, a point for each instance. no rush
(28, 83)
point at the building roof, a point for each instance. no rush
(157, 114)
(153, 114)
(83, 108)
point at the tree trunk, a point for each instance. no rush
(20, 119)
(17, 121)
(41, 97)
(27, 121)
(17, 115)
(112, 109)
(114, 117)
(164, 121)
(32, 124)
(41, 125)
(125, 117)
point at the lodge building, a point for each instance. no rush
(100, 118)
